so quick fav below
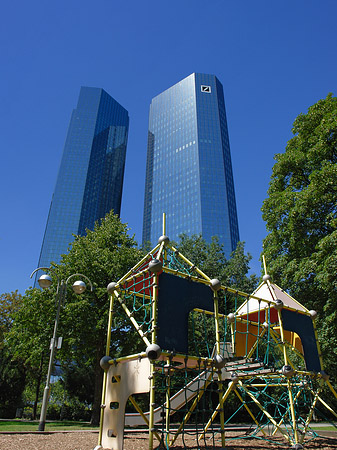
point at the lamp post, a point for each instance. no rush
(45, 281)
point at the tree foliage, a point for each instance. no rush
(9, 304)
(12, 374)
(301, 216)
(211, 258)
(103, 255)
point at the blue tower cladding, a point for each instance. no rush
(189, 170)
(90, 178)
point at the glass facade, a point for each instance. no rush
(189, 170)
(90, 178)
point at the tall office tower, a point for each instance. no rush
(189, 170)
(90, 178)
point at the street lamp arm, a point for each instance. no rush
(47, 269)
(80, 275)
(39, 268)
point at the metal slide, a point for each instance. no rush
(176, 401)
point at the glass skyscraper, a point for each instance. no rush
(189, 170)
(90, 178)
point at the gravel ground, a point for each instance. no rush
(88, 441)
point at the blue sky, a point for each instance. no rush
(274, 59)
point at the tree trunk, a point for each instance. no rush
(38, 384)
(96, 406)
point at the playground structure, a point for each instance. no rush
(205, 345)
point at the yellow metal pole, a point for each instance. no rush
(272, 420)
(282, 337)
(134, 268)
(233, 327)
(318, 346)
(134, 322)
(282, 420)
(251, 351)
(292, 410)
(264, 265)
(249, 411)
(311, 412)
(331, 387)
(164, 224)
(281, 346)
(191, 264)
(192, 408)
(107, 352)
(291, 401)
(152, 371)
(164, 234)
(168, 400)
(325, 404)
(220, 383)
(215, 412)
(139, 410)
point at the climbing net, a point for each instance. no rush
(208, 357)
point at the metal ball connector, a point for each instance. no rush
(266, 277)
(111, 287)
(278, 304)
(287, 371)
(234, 377)
(155, 266)
(164, 239)
(215, 284)
(324, 375)
(231, 318)
(104, 362)
(153, 351)
(219, 361)
(313, 313)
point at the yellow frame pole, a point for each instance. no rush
(273, 421)
(189, 412)
(291, 400)
(107, 351)
(258, 336)
(311, 411)
(224, 398)
(331, 388)
(139, 410)
(190, 264)
(324, 403)
(134, 322)
(220, 383)
(168, 401)
(292, 410)
(152, 371)
(282, 420)
(249, 411)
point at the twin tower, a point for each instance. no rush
(188, 169)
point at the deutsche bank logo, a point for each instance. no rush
(206, 89)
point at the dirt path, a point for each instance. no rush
(88, 441)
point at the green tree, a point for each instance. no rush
(12, 374)
(211, 258)
(103, 255)
(9, 304)
(29, 338)
(301, 218)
